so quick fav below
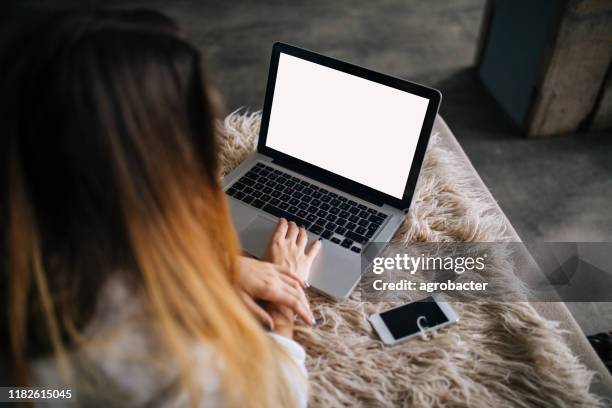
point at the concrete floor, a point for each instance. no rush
(552, 190)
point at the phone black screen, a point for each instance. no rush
(402, 321)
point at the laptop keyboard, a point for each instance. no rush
(322, 212)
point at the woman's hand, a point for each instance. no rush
(288, 248)
(275, 284)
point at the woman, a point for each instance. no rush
(121, 260)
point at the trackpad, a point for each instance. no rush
(255, 237)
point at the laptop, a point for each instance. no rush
(339, 152)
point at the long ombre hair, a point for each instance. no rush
(110, 164)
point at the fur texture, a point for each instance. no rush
(498, 355)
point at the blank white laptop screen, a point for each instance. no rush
(358, 129)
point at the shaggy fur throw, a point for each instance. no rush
(498, 355)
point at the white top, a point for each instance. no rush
(123, 366)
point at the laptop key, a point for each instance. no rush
(238, 186)
(303, 206)
(364, 214)
(326, 199)
(284, 214)
(351, 225)
(292, 209)
(312, 209)
(325, 206)
(321, 213)
(274, 201)
(265, 197)
(341, 222)
(283, 205)
(231, 191)
(257, 203)
(341, 230)
(248, 199)
(356, 249)
(316, 202)
(247, 181)
(334, 210)
(353, 218)
(356, 237)
(335, 240)
(376, 220)
(326, 234)
(257, 194)
(316, 229)
(311, 217)
(321, 222)
(363, 222)
(239, 195)
(330, 226)
(302, 213)
(347, 243)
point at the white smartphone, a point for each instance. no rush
(406, 321)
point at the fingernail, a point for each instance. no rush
(320, 239)
(306, 283)
(314, 322)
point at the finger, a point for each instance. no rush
(295, 299)
(314, 250)
(281, 229)
(289, 273)
(292, 231)
(257, 310)
(302, 239)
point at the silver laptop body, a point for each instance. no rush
(347, 216)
